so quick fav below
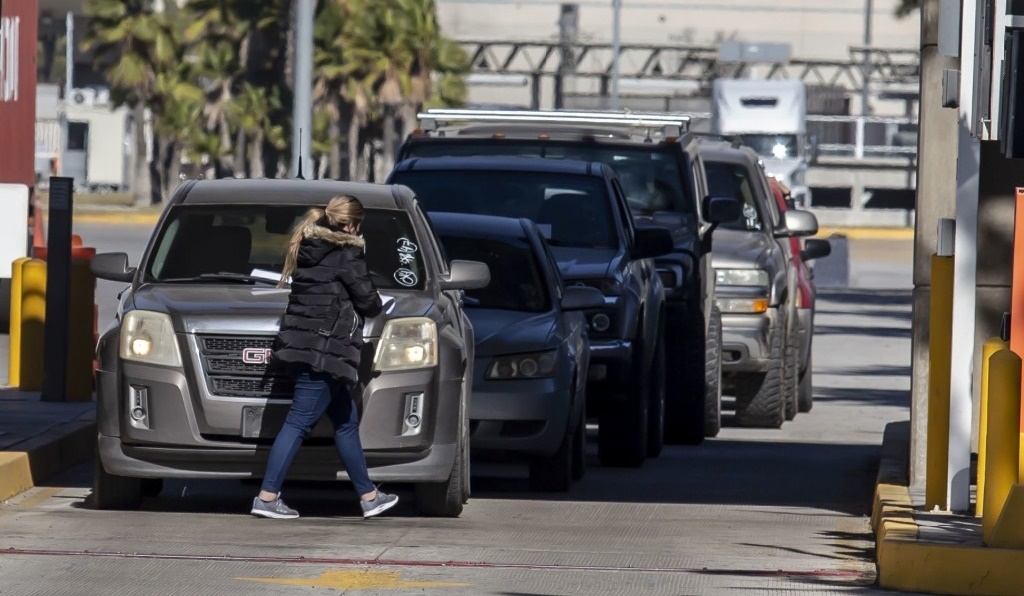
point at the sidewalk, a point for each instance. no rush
(932, 551)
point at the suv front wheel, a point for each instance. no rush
(114, 492)
(761, 397)
(445, 499)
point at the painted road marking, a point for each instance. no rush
(359, 579)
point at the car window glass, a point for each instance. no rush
(730, 180)
(653, 177)
(205, 239)
(520, 286)
(571, 210)
(437, 248)
(627, 219)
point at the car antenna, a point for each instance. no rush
(298, 173)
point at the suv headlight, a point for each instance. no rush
(407, 344)
(149, 337)
(741, 277)
(523, 366)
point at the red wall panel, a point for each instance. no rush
(19, 26)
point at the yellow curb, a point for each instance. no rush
(907, 564)
(15, 474)
(116, 218)
(867, 233)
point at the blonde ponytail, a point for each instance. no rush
(292, 255)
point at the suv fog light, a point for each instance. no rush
(600, 322)
(412, 423)
(138, 406)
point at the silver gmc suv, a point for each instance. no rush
(183, 386)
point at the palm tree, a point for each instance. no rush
(134, 44)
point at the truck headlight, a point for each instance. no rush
(741, 277)
(149, 337)
(523, 366)
(406, 344)
(742, 305)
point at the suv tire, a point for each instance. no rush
(623, 422)
(685, 407)
(656, 392)
(445, 499)
(114, 492)
(792, 378)
(760, 397)
(805, 394)
(713, 380)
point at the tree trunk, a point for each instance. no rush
(256, 156)
(354, 149)
(239, 158)
(334, 134)
(389, 139)
(156, 184)
(142, 189)
(173, 170)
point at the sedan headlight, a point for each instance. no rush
(407, 344)
(741, 277)
(149, 337)
(523, 366)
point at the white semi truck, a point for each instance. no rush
(771, 118)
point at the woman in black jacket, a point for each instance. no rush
(320, 343)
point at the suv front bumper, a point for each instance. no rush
(746, 340)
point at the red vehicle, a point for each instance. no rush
(800, 253)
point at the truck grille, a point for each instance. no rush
(228, 375)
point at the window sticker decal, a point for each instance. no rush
(406, 277)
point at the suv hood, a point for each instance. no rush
(241, 308)
(739, 250)
(499, 332)
(585, 263)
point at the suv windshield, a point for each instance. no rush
(199, 240)
(651, 175)
(728, 180)
(571, 210)
(520, 285)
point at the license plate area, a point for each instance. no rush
(260, 422)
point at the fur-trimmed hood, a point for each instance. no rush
(316, 231)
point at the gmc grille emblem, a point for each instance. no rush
(256, 355)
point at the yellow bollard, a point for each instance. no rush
(33, 317)
(81, 342)
(1002, 442)
(940, 325)
(990, 347)
(14, 352)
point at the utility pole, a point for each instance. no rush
(616, 46)
(69, 70)
(302, 110)
(865, 89)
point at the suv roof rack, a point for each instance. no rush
(670, 124)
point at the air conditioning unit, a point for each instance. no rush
(103, 97)
(83, 97)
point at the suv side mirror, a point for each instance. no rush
(112, 266)
(722, 210)
(466, 275)
(581, 298)
(798, 223)
(652, 242)
(815, 248)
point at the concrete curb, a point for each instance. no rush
(907, 563)
(38, 459)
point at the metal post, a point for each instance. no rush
(864, 90)
(568, 28)
(302, 114)
(58, 285)
(616, 46)
(69, 71)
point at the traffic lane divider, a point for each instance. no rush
(36, 460)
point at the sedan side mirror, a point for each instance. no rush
(652, 242)
(798, 223)
(722, 210)
(815, 248)
(112, 266)
(467, 275)
(581, 298)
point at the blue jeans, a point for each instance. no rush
(316, 393)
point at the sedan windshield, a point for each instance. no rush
(521, 283)
(217, 243)
(572, 210)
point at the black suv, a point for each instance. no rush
(580, 208)
(658, 165)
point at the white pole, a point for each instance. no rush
(958, 487)
(302, 111)
(616, 43)
(864, 90)
(69, 85)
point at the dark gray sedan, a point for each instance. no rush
(532, 349)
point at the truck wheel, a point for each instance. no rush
(656, 409)
(760, 397)
(713, 380)
(805, 401)
(623, 423)
(687, 390)
(792, 376)
(445, 499)
(114, 492)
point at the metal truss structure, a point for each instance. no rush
(883, 67)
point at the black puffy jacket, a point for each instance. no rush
(331, 290)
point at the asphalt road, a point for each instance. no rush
(750, 512)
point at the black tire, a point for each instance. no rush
(656, 392)
(792, 375)
(152, 487)
(713, 379)
(554, 472)
(446, 499)
(687, 380)
(114, 492)
(805, 394)
(623, 422)
(579, 449)
(760, 397)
